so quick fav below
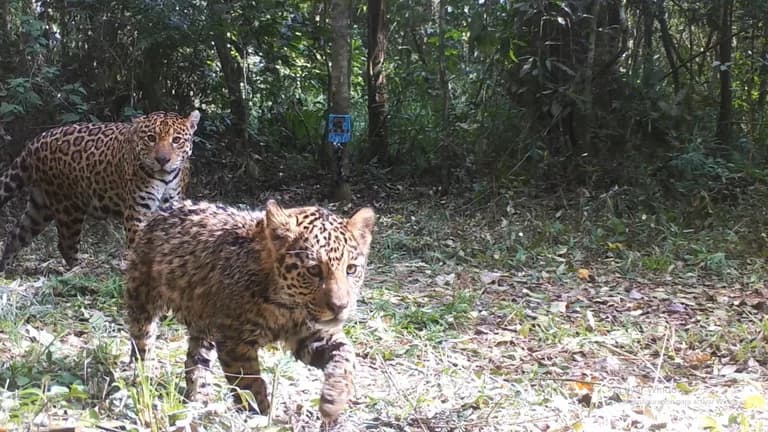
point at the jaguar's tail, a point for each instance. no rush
(14, 179)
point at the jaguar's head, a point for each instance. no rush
(319, 259)
(164, 140)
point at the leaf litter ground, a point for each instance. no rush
(464, 326)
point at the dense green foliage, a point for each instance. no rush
(507, 90)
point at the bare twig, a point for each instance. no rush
(403, 394)
(661, 359)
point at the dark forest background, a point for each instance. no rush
(666, 98)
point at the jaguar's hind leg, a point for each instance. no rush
(36, 217)
(142, 312)
(200, 354)
(70, 228)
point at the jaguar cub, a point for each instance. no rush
(239, 280)
(102, 170)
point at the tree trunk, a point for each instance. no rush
(648, 54)
(5, 33)
(25, 62)
(64, 34)
(148, 81)
(586, 115)
(450, 153)
(759, 113)
(762, 92)
(5, 13)
(325, 154)
(233, 73)
(725, 116)
(442, 73)
(667, 43)
(376, 79)
(339, 98)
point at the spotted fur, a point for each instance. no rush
(101, 170)
(240, 280)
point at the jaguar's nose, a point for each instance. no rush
(162, 160)
(337, 306)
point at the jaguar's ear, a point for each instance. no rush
(192, 120)
(361, 224)
(279, 224)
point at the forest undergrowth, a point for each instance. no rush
(484, 310)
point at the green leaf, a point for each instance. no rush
(512, 55)
(78, 392)
(709, 423)
(21, 381)
(9, 110)
(32, 99)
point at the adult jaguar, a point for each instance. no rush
(101, 170)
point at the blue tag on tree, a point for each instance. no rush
(339, 129)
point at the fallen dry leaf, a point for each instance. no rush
(558, 307)
(445, 279)
(580, 387)
(755, 402)
(590, 321)
(757, 302)
(489, 277)
(709, 423)
(608, 363)
(728, 369)
(697, 358)
(676, 307)
(585, 275)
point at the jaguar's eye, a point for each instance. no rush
(176, 140)
(351, 269)
(151, 138)
(315, 270)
